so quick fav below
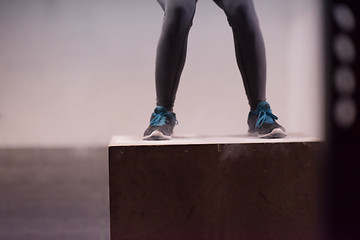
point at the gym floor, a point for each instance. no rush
(54, 194)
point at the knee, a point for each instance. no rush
(180, 14)
(242, 11)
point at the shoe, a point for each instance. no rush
(262, 122)
(161, 126)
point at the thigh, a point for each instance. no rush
(228, 4)
(172, 3)
(219, 3)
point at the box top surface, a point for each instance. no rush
(203, 140)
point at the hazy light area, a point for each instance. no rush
(79, 72)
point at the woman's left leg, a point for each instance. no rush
(249, 47)
(251, 59)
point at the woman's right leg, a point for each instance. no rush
(171, 50)
(170, 60)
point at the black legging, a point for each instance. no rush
(171, 51)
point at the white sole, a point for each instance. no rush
(275, 133)
(157, 135)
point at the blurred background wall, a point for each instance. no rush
(78, 72)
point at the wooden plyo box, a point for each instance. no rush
(214, 188)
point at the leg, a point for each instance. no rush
(171, 51)
(251, 59)
(170, 60)
(249, 47)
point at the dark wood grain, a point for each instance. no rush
(231, 191)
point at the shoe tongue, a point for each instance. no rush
(264, 105)
(160, 109)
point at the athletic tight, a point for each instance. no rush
(171, 51)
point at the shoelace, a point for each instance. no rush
(264, 114)
(161, 118)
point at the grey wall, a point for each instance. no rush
(80, 71)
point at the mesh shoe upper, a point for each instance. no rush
(161, 120)
(262, 120)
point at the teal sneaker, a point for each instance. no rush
(161, 126)
(262, 122)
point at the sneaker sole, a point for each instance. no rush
(156, 135)
(275, 133)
